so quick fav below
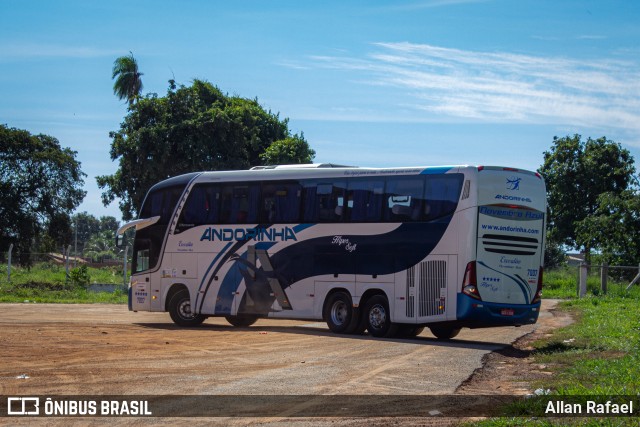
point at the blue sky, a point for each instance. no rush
(370, 83)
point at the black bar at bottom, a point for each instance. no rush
(319, 406)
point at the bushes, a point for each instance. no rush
(47, 283)
(79, 276)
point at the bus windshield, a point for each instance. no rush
(148, 242)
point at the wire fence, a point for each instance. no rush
(601, 279)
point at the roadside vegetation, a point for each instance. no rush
(598, 355)
(48, 283)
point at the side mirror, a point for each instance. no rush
(120, 241)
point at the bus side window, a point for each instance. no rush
(404, 199)
(200, 208)
(142, 255)
(442, 195)
(324, 202)
(240, 204)
(281, 203)
(365, 200)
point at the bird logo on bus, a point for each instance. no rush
(513, 183)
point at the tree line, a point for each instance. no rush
(593, 198)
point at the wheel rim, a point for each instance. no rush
(339, 313)
(184, 309)
(377, 316)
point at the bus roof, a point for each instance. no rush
(321, 170)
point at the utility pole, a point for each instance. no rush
(75, 248)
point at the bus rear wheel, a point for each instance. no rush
(241, 321)
(444, 332)
(340, 315)
(409, 331)
(180, 310)
(377, 317)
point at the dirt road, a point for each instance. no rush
(48, 349)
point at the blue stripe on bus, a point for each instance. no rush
(380, 254)
(436, 170)
(482, 314)
(236, 247)
(232, 281)
(300, 227)
(204, 277)
(524, 287)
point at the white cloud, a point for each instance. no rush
(501, 86)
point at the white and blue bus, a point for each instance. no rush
(385, 250)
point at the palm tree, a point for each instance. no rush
(128, 84)
(101, 246)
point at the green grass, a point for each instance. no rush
(47, 283)
(598, 355)
(70, 295)
(563, 283)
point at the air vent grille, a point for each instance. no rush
(411, 286)
(510, 245)
(433, 279)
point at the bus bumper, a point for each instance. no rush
(476, 313)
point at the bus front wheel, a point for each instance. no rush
(241, 321)
(377, 317)
(443, 332)
(180, 310)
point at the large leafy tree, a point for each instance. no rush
(288, 151)
(192, 128)
(40, 185)
(127, 76)
(86, 226)
(615, 227)
(578, 173)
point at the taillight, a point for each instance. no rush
(469, 282)
(538, 295)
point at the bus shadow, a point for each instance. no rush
(319, 331)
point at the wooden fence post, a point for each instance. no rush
(635, 279)
(9, 263)
(582, 289)
(604, 273)
(66, 262)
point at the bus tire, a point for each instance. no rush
(409, 331)
(241, 321)
(339, 313)
(377, 317)
(180, 310)
(444, 332)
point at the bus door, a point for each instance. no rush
(140, 292)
